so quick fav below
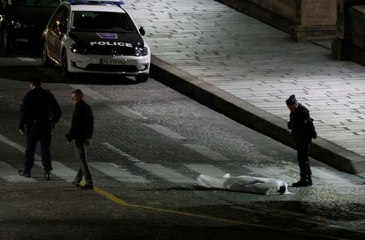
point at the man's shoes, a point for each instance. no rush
(309, 179)
(300, 183)
(87, 187)
(76, 183)
(24, 173)
(46, 175)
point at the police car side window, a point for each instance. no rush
(59, 18)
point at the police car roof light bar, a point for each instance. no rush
(113, 2)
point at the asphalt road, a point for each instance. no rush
(150, 144)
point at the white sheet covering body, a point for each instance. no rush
(249, 184)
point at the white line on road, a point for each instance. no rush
(156, 169)
(206, 169)
(166, 173)
(61, 171)
(121, 153)
(25, 59)
(10, 174)
(127, 112)
(206, 152)
(165, 131)
(117, 172)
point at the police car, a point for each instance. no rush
(95, 36)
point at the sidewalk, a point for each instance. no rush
(247, 69)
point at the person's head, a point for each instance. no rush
(35, 82)
(77, 95)
(292, 103)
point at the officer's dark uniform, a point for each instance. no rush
(302, 135)
(38, 114)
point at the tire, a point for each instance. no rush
(142, 78)
(46, 61)
(64, 67)
(5, 41)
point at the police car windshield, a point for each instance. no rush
(102, 22)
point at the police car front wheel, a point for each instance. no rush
(64, 67)
(46, 61)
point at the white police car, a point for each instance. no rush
(96, 36)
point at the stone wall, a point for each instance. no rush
(349, 43)
(302, 19)
(358, 34)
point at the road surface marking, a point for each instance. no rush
(232, 222)
(122, 154)
(165, 131)
(25, 59)
(63, 172)
(165, 173)
(118, 173)
(125, 111)
(206, 152)
(206, 169)
(11, 174)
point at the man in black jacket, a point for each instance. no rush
(81, 131)
(302, 132)
(39, 114)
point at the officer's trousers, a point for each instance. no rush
(303, 160)
(42, 133)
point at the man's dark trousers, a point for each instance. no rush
(303, 161)
(39, 132)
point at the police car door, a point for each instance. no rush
(56, 30)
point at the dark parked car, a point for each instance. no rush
(24, 21)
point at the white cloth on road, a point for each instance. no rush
(249, 184)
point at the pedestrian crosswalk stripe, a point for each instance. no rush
(61, 171)
(206, 169)
(125, 111)
(165, 131)
(26, 59)
(10, 174)
(206, 152)
(165, 173)
(121, 153)
(12, 144)
(118, 173)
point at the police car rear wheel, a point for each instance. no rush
(142, 78)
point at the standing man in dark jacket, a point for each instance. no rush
(302, 131)
(39, 114)
(81, 131)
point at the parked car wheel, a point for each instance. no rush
(46, 61)
(5, 41)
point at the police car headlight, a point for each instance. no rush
(141, 51)
(78, 49)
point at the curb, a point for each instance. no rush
(251, 116)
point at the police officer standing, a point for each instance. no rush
(39, 114)
(302, 132)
